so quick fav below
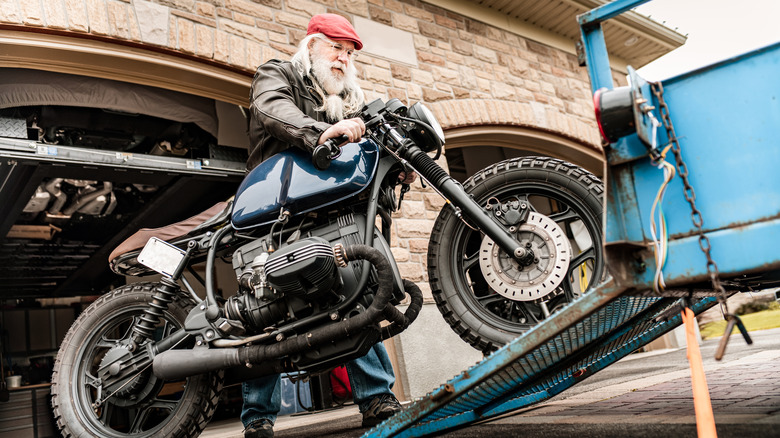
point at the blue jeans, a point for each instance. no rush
(370, 376)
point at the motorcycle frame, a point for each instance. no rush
(404, 152)
(395, 151)
(203, 327)
(212, 310)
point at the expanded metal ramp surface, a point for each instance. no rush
(586, 336)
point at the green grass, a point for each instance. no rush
(765, 319)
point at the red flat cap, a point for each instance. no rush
(335, 27)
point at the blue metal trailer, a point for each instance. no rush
(716, 235)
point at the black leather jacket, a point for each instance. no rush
(283, 114)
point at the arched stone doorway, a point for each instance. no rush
(95, 56)
(122, 60)
(481, 132)
(471, 148)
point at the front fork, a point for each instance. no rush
(454, 194)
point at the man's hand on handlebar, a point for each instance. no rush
(348, 130)
(353, 129)
(407, 177)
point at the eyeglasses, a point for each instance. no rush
(339, 49)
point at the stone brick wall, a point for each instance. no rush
(471, 73)
(459, 59)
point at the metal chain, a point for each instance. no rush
(690, 195)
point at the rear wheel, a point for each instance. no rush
(489, 298)
(87, 404)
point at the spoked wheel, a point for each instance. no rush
(489, 298)
(100, 388)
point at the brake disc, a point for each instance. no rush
(536, 277)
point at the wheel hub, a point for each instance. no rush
(537, 275)
(112, 364)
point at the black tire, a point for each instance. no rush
(147, 406)
(565, 193)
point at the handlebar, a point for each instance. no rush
(327, 151)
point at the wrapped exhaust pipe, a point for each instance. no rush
(177, 364)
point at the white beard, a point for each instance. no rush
(331, 83)
(333, 103)
(334, 107)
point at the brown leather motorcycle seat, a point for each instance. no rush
(168, 232)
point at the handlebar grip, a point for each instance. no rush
(327, 151)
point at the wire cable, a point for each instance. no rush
(658, 230)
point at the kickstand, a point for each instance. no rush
(732, 320)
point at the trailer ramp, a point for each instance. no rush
(586, 336)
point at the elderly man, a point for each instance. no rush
(301, 104)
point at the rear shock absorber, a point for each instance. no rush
(146, 324)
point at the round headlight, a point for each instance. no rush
(427, 132)
(428, 117)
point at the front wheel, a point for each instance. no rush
(489, 298)
(88, 404)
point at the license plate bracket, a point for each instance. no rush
(161, 256)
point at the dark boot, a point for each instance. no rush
(380, 409)
(262, 428)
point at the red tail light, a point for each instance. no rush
(614, 113)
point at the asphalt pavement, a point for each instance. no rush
(643, 395)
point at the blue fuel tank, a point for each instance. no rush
(289, 180)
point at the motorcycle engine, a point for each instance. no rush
(296, 281)
(307, 267)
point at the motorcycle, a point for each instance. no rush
(317, 284)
